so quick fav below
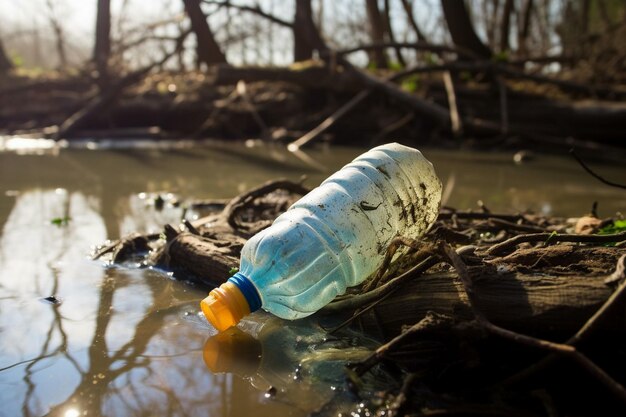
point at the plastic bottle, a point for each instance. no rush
(332, 238)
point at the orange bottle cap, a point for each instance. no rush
(225, 306)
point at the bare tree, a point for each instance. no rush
(305, 34)
(5, 62)
(585, 15)
(524, 27)
(207, 49)
(58, 33)
(389, 31)
(461, 28)
(505, 28)
(102, 47)
(408, 8)
(377, 33)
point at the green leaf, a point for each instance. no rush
(550, 238)
(60, 221)
(411, 83)
(395, 66)
(617, 226)
(233, 270)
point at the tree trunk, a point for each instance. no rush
(102, 47)
(461, 28)
(207, 49)
(524, 28)
(59, 35)
(5, 62)
(585, 16)
(303, 48)
(505, 29)
(306, 36)
(389, 31)
(408, 8)
(377, 33)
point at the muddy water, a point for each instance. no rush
(118, 340)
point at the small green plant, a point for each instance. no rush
(502, 56)
(60, 221)
(617, 226)
(233, 270)
(396, 66)
(550, 238)
(18, 61)
(411, 83)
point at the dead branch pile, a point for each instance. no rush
(463, 98)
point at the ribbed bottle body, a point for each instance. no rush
(336, 236)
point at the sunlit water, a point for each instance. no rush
(123, 341)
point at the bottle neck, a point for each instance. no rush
(248, 290)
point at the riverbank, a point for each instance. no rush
(311, 102)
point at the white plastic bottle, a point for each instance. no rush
(332, 238)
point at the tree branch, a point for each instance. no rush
(256, 10)
(592, 173)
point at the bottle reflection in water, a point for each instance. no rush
(296, 363)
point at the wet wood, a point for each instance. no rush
(529, 303)
(200, 259)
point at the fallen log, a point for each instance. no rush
(541, 305)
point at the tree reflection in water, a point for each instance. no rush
(121, 342)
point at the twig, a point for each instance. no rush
(252, 9)
(191, 228)
(501, 248)
(504, 107)
(242, 91)
(329, 121)
(340, 112)
(432, 111)
(389, 254)
(398, 124)
(397, 407)
(356, 301)
(455, 119)
(358, 313)
(461, 215)
(515, 226)
(592, 173)
(614, 300)
(557, 348)
(243, 200)
(418, 46)
(430, 321)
